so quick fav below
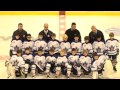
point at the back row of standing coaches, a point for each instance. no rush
(71, 33)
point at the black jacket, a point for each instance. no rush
(47, 37)
(71, 34)
(22, 34)
(93, 36)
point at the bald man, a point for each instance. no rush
(46, 33)
(94, 33)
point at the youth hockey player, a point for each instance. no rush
(16, 44)
(54, 43)
(77, 45)
(85, 63)
(40, 61)
(98, 63)
(87, 45)
(99, 46)
(65, 45)
(28, 43)
(112, 49)
(40, 43)
(29, 62)
(61, 64)
(20, 64)
(50, 62)
(72, 60)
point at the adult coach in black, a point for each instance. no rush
(46, 33)
(94, 33)
(72, 32)
(21, 32)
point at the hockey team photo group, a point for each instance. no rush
(95, 57)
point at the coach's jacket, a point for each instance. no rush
(46, 37)
(93, 36)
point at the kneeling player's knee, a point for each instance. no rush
(48, 67)
(58, 68)
(69, 67)
(26, 66)
(33, 67)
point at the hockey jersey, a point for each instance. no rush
(85, 62)
(72, 59)
(40, 44)
(112, 46)
(88, 47)
(40, 60)
(99, 47)
(65, 45)
(54, 44)
(15, 45)
(28, 44)
(13, 59)
(61, 60)
(98, 64)
(77, 45)
(51, 58)
(20, 61)
(28, 58)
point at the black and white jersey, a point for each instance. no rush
(99, 47)
(112, 46)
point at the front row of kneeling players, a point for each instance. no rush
(57, 63)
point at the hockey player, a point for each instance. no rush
(72, 60)
(50, 62)
(54, 43)
(16, 44)
(77, 44)
(40, 43)
(28, 43)
(99, 46)
(98, 63)
(61, 64)
(29, 62)
(87, 45)
(85, 63)
(112, 49)
(20, 64)
(65, 45)
(40, 61)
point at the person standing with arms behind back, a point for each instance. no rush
(46, 33)
(21, 32)
(94, 33)
(72, 32)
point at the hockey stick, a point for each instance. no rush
(39, 67)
